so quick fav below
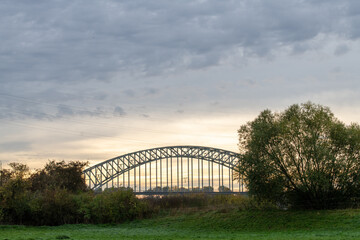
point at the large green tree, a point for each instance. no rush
(301, 157)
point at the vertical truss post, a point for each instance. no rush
(112, 174)
(219, 178)
(209, 174)
(139, 178)
(188, 173)
(160, 175)
(232, 180)
(96, 177)
(156, 173)
(167, 173)
(222, 175)
(107, 183)
(198, 174)
(202, 175)
(134, 179)
(150, 175)
(171, 178)
(192, 175)
(145, 178)
(123, 183)
(182, 182)
(229, 180)
(128, 172)
(118, 175)
(177, 170)
(212, 175)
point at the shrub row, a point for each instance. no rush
(203, 200)
(59, 206)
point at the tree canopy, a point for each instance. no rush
(301, 157)
(60, 175)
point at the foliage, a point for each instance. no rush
(57, 195)
(61, 175)
(54, 207)
(177, 201)
(116, 206)
(14, 198)
(202, 200)
(18, 170)
(302, 157)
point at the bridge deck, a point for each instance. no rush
(181, 193)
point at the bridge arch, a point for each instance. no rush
(105, 173)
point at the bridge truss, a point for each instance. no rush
(176, 169)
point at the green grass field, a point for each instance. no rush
(210, 224)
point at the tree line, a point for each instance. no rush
(57, 194)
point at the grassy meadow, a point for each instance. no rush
(225, 223)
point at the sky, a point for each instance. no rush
(90, 80)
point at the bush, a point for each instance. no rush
(14, 201)
(57, 195)
(54, 207)
(201, 201)
(116, 206)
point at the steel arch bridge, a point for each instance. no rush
(174, 169)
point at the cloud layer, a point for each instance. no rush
(87, 79)
(86, 40)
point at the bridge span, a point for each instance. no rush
(173, 169)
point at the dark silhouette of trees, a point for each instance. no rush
(59, 175)
(301, 157)
(57, 194)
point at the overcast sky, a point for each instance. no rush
(94, 79)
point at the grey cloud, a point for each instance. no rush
(64, 110)
(98, 111)
(15, 146)
(92, 40)
(129, 93)
(100, 96)
(151, 91)
(54, 95)
(41, 110)
(341, 50)
(20, 109)
(336, 69)
(119, 111)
